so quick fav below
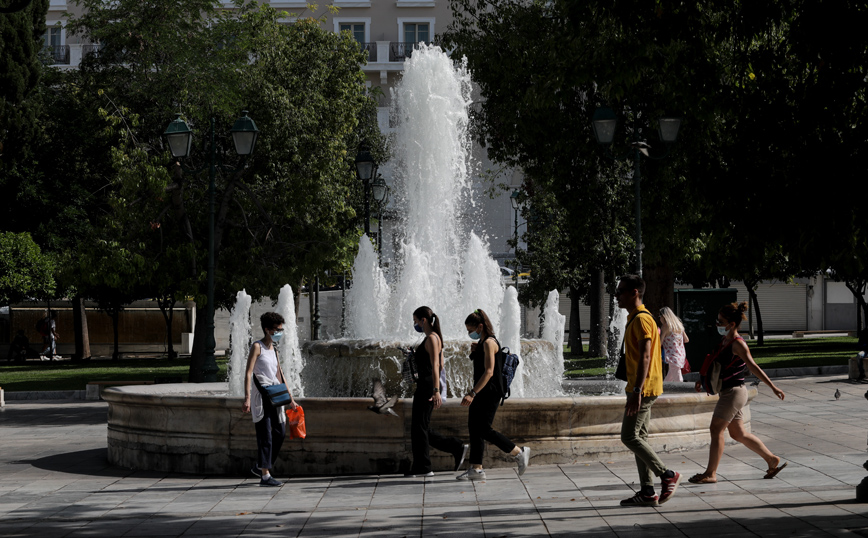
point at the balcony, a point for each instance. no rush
(371, 49)
(398, 51)
(58, 54)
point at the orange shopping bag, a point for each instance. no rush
(295, 423)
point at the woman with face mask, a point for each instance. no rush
(484, 398)
(263, 369)
(733, 357)
(429, 395)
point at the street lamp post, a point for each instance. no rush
(513, 199)
(604, 123)
(180, 138)
(380, 194)
(366, 170)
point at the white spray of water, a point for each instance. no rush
(369, 298)
(291, 359)
(510, 327)
(552, 367)
(483, 286)
(617, 327)
(239, 342)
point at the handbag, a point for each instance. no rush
(408, 367)
(686, 368)
(295, 423)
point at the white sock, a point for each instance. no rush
(266, 475)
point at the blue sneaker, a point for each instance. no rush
(270, 481)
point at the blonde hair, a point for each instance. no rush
(672, 322)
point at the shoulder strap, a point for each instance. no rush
(624, 338)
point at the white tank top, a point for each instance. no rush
(265, 367)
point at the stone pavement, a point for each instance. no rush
(55, 481)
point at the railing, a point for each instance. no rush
(371, 49)
(400, 51)
(87, 50)
(59, 54)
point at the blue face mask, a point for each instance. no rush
(722, 331)
(276, 337)
(474, 335)
(417, 327)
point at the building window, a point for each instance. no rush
(415, 32)
(53, 38)
(355, 28)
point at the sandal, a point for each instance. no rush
(774, 471)
(700, 478)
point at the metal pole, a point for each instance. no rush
(209, 367)
(637, 179)
(515, 271)
(368, 208)
(316, 321)
(344, 305)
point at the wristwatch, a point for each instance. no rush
(472, 393)
(436, 390)
(637, 390)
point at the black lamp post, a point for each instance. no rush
(380, 194)
(366, 169)
(604, 123)
(513, 199)
(180, 138)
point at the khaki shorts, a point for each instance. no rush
(731, 401)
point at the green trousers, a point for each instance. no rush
(634, 435)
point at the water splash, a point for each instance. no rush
(291, 359)
(510, 328)
(239, 342)
(367, 302)
(617, 325)
(550, 366)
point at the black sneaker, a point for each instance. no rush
(640, 500)
(256, 472)
(270, 481)
(459, 457)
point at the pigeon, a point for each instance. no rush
(837, 394)
(382, 404)
(866, 394)
(755, 383)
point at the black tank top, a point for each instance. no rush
(423, 360)
(478, 358)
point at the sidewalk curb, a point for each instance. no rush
(45, 395)
(790, 372)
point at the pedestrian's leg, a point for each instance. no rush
(737, 432)
(278, 434)
(263, 442)
(634, 435)
(715, 453)
(476, 427)
(419, 424)
(489, 406)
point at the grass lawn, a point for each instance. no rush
(775, 353)
(67, 375)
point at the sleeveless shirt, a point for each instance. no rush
(478, 358)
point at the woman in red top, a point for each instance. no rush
(734, 357)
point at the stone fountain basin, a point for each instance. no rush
(197, 428)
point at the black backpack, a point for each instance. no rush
(509, 364)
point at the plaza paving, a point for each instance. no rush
(55, 481)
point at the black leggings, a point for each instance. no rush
(270, 434)
(421, 435)
(479, 419)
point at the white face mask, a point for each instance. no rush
(277, 336)
(722, 331)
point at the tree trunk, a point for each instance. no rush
(575, 341)
(82, 339)
(857, 288)
(116, 314)
(751, 289)
(197, 354)
(597, 343)
(659, 287)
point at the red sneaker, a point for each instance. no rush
(668, 487)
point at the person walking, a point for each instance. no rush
(484, 398)
(673, 338)
(429, 395)
(733, 357)
(263, 370)
(644, 369)
(49, 337)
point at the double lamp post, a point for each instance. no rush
(604, 123)
(180, 139)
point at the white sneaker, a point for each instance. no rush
(429, 474)
(43, 358)
(471, 474)
(523, 459)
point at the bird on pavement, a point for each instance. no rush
(866, 394)
(382, 404)
(837, 394)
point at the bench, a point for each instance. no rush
(802, 334)
(95, 388)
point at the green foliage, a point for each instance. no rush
(25, 272)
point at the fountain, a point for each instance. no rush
(442, 261)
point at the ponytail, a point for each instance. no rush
(477, 317)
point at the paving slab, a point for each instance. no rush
(55, 481)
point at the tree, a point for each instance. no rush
(25, 272)
(284, 213)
